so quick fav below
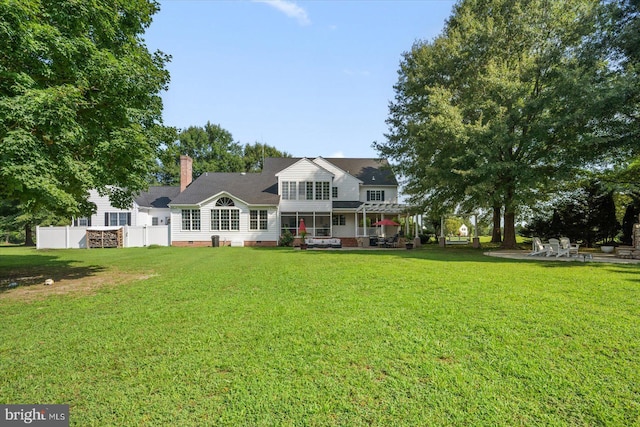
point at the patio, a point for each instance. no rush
(595, 257)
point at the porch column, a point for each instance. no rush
(364, 221)
(356, 217)
(476, 239)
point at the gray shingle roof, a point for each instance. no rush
(157, 197)
(253, 188)
(369, 171)
(262, 188)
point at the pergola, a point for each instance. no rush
(395, 209)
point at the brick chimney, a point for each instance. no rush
(186, 172)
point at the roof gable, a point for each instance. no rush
(302, 164)
(331, 167)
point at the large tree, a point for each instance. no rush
(254, 155)
(212, 149)
(622, 40)
(499, 108)
(79, 102)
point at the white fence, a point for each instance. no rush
(76, 237)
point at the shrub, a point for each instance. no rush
(286, 239)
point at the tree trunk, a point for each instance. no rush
(509, 230)
(28, 235)
(496, 235)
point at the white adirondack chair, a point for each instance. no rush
(567, 248)
(554, 247)
(538, 248)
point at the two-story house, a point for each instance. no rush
(338, 197)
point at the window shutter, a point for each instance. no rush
(382, 194)
(129, 218)
(75, 222)
(89, 222)
(106, 218)
(368, 196)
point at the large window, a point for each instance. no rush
(309, 190)
(375, 195)
(190, 219)
(326, 185)
(289, 190)
(258, 220)
(117, 218)
(306, 190)
(225, 216)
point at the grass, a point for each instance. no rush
(240, 336)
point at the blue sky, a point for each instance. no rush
(312, 78)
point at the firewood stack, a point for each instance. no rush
(104, 238)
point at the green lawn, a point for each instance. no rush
(240, 336)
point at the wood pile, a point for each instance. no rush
(104, 238)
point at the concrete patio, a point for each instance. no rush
(595, 257)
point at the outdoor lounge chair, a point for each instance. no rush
(568, 248)
(391, 242)
(538, 248)
(553, 247)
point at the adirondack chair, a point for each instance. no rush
(554, 247)
(538, 248)
(568, 248)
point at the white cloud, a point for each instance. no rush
(360, 73)
(337, 155)
(289, 8)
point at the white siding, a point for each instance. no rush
(226, 236)
(303, 171)
(390, 193)
(146, 215)
(104, 205)
(348, 185)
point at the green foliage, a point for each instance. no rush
(501, 107)
(587, 215)
(631, 213)
(212, 149)
(286, 239)
(254, 155)
(79, 102)
(274, 336)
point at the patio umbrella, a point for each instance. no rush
(302, 228)
(385, 222)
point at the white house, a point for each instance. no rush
(338, 198)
